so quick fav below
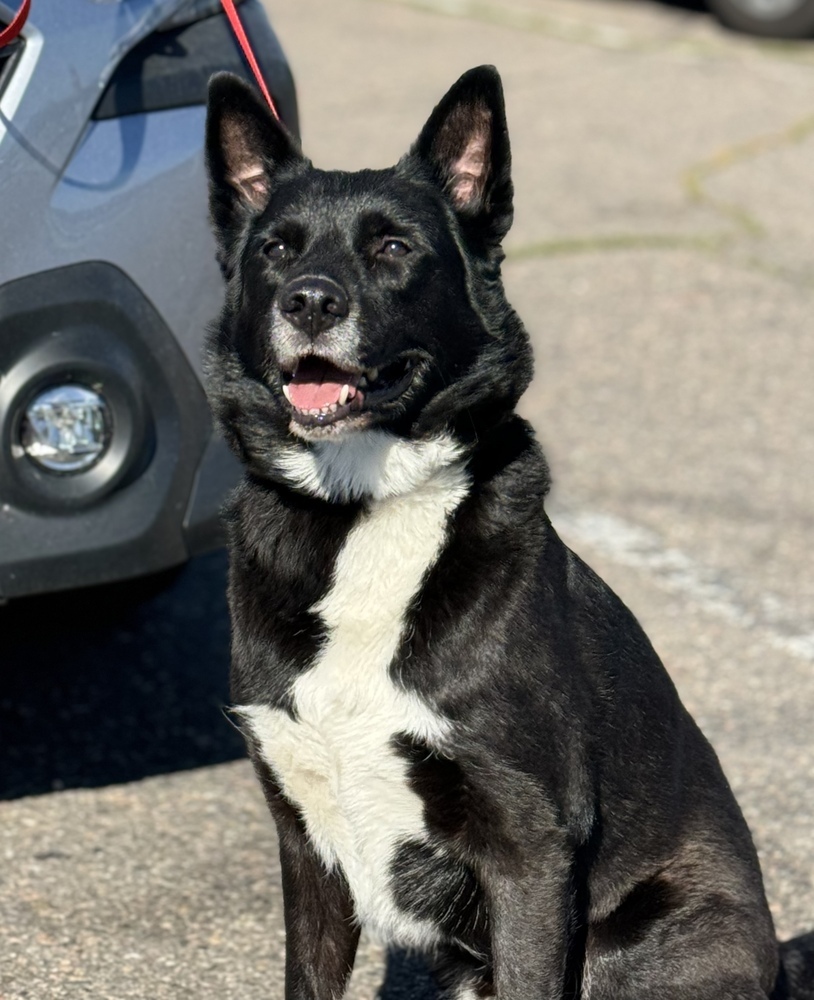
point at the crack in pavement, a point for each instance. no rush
(742, 223)
(565, 29)
(567, 245)
(611, 37)
(694, 178)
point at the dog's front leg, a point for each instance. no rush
(531, 907)
(321, 932)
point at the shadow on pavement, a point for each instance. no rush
(112, 684)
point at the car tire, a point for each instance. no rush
(795, 19)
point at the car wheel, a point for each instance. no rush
(770, 18)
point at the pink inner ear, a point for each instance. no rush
(246, 169)
(252, 183)
(469, 171)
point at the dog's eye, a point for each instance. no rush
(275, 249)
(393, 248)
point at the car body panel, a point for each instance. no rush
(101, 196)
(115, 208)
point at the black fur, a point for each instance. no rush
(581, 839)
(277, 575)
(318, 906)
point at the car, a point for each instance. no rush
(771, 18)
(110, 467)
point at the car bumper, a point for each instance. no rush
(153, 500)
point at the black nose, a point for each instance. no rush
(313, 303)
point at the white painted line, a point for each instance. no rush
(673, 570)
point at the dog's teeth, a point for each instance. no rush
(287, 393)
(314, 412)
(372, 374)
(333, 407)
(343, 395)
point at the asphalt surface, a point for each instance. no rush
(663, 259)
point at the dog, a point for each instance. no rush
(467, 742)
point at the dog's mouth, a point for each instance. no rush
(322, 394)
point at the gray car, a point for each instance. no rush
(109, 464)
(771, 18)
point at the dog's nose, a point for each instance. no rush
(313, 303)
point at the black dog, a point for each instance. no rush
(466, 740)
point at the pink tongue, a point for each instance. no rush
(314, 395)
(316, 384)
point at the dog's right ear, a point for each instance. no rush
(245, 147)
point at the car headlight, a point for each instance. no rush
(66, 428)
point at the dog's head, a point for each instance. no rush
(362, 302)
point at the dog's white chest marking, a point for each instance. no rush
(373, 464)
(336, 762)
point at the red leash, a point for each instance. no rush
(10, 33)
(240, 34)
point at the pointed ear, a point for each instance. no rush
(466, 145)
(245, 147)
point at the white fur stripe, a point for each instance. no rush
(336, 761)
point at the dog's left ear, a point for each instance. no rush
(466, 145)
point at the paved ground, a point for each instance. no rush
(663, 258)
